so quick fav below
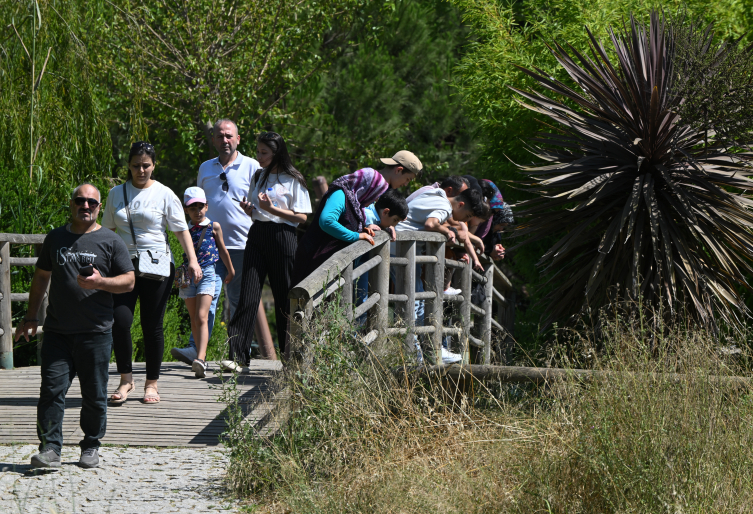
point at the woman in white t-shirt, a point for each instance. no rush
(154, 209)
(278, 202)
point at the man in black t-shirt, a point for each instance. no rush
(84, 264)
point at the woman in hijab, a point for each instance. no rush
(341, 210)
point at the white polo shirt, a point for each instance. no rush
(222, 208)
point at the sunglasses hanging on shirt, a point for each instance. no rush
(225, 185)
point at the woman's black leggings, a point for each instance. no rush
(153, 295)
(270, 251)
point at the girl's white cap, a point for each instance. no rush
(194, 194)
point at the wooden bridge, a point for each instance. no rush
(190, 414)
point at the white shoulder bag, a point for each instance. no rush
(151, 264)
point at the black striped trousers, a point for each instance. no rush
(270, 250)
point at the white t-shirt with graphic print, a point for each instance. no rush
(154, 210)
(290, 195)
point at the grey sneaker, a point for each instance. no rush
(199, 368)
(89, 458)
(46, 459)
(186, 355)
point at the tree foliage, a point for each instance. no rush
(50, 125)
(653, 206)
(714, 77)
(174, 67)
(386, 93)
(514, 33)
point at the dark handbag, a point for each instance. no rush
(151, 264)
(182, 278)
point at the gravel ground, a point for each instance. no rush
(129, 480)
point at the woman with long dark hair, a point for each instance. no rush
(142, 210)
(278, 201)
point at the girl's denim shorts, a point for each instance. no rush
(205, 286)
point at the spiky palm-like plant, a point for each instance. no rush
(651, 207)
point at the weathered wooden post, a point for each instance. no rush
(466, 285)
(42, 314)
(435, 308)
(510, 315)
(379, 283)
(405, 285)
(486, 329)
(347, 290)
(301, 311)
(6, 334)
(320, 187)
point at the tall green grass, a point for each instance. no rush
(657, 431)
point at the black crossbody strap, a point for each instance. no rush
(130, 223)
(128, 215)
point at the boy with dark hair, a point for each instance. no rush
(389, 210)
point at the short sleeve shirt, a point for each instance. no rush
(432, 203)
(290, 195)
(223, 207)
(71, 309)
(154, 210)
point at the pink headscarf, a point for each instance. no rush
(362, 188)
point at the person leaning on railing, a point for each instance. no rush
(430, 211)
(84, 264)
(340, 218)
(502, 217)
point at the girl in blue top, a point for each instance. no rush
(209, 249)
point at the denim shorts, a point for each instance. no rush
(205, 286)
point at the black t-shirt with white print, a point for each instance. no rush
(71, 309)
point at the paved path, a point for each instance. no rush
(129, 481)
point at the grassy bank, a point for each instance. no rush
(636, 439)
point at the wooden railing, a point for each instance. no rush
(475, 323)
(6, 297)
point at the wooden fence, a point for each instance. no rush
(6, 297)
(472, 324)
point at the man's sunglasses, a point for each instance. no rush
(80, 200)
(225, 185)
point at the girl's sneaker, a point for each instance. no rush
(199, 368)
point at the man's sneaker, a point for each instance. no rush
(450, 358)
(89, 458)
(46, 459)
(451, 291)
(199, 368)
(186, 355)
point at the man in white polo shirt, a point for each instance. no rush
(225, 180)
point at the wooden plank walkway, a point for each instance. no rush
(188, 415)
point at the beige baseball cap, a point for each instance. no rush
(407, 160)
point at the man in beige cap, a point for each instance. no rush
(403, 167)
